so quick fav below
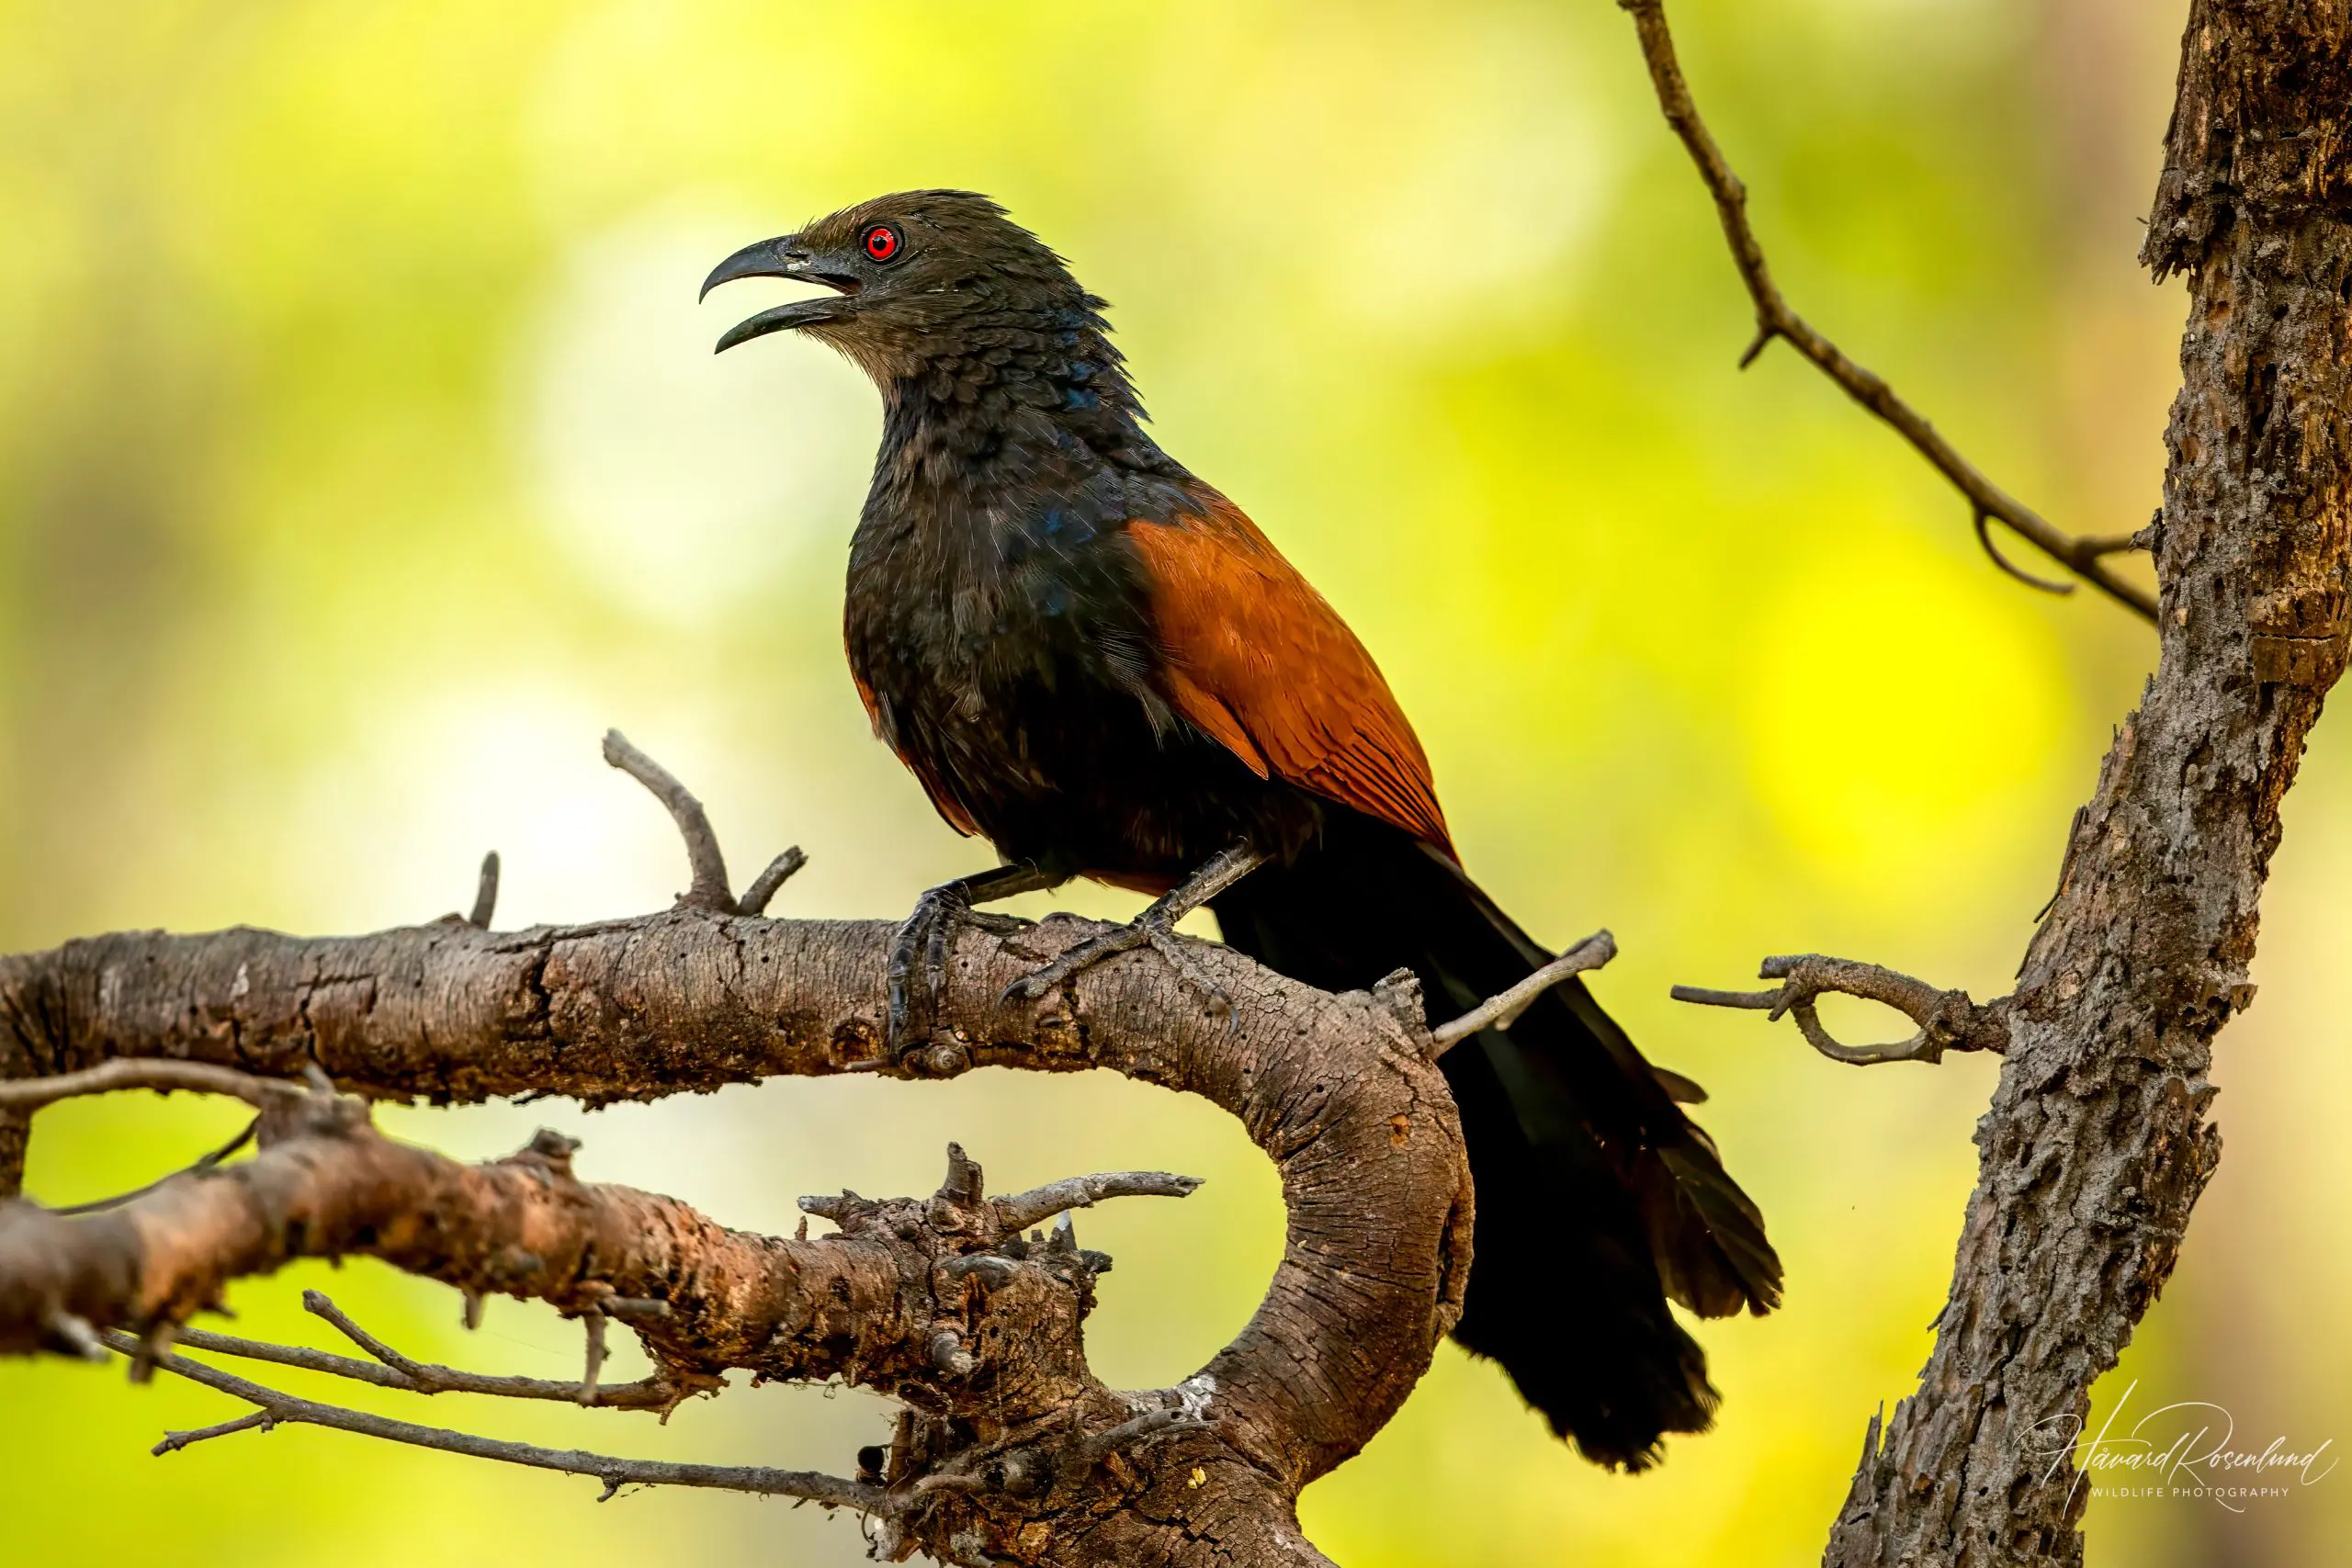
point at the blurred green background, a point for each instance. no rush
(362, 457)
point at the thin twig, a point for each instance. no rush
(710, 889)
(1502, 1010)
(594, 1321)
(201, 1077)
(201, 1167)
(485, 894)
(318, 1303)
(174, 1442)
(1039, 1205)
(1948, 1020)
(757, 897)
(2083, 556)
(827, 1491)
(427, 1378)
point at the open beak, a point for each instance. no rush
(781, 257)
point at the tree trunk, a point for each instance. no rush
(2097, 1141)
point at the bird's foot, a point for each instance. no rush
(1155, 929)
(1151, 928)
(918, 973)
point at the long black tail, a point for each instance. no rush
(1596, 1198)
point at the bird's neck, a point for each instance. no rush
(1016, 393)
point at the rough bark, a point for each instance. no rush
(2093, 1152)
(1341, 1092)
(2097, 1141)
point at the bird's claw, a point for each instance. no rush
(918, 969)
(1149, 930)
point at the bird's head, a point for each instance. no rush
(916, 278)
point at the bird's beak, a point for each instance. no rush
(781, 257)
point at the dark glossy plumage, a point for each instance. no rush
(1094, 660)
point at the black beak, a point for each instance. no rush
(781, 257)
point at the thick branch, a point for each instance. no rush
(1340, 1091)
(325, 1184)
(2084, 556)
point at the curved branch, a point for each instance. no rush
(1341, 1092)
(710, 889)
(1948, 1020)
(108, 1078)
(2082, 555)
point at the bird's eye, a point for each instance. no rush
(880, 242)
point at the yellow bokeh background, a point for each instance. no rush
(362, 458)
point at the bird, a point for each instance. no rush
(1094, 660)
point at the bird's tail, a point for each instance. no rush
(1597, 1199)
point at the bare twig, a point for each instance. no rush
(1948, 1020)
(318, 1303)
(763, 887)
(427, 1378)
(2083, 556)
(826, 1491)
(96, 1205)
(174, 1442)
(485, 894)
(1502, 1009)
(710, 889)
(593, 1320)
(201, 1077)
(1039, 1205)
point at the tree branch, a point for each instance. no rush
(485, 894)
(274, 1408)
(419, 1377)
(1502, 1010)
(202, 1077)
(1041, 1204)
(940, 1302)
(2084, 556)
(708, 866)
(1948, 1020)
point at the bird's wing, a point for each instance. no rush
(943, 799)
(1258, 661)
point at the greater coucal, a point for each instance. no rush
(1095, 662)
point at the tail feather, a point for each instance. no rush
(1596, 1198)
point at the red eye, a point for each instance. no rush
(881, 243)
